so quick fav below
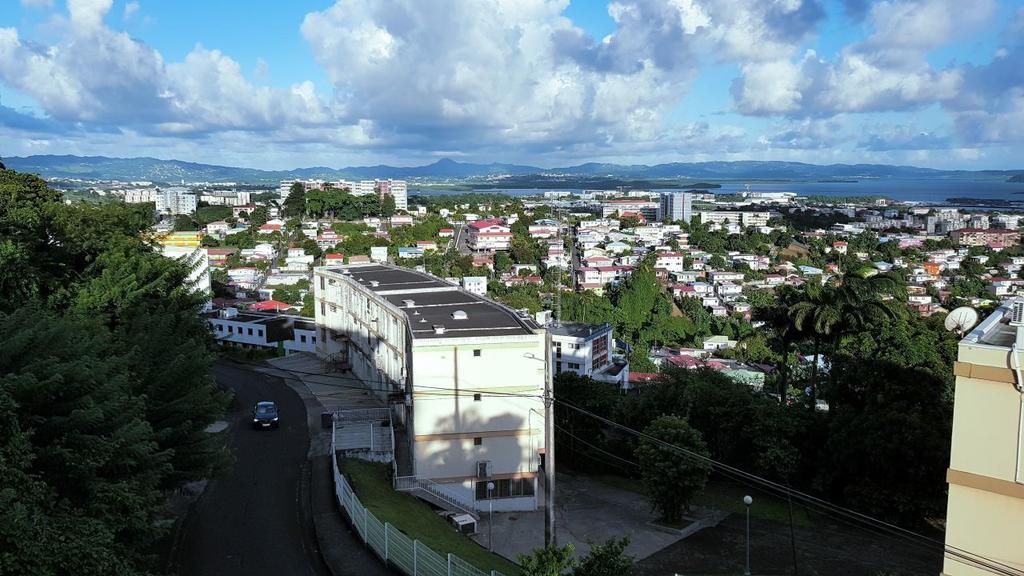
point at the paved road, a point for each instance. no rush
(255, 519)
(460, 240)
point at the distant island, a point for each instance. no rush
(1016, 178)
(989, 202)
(838, 181)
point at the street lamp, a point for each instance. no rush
(748, 501)
(490, 517)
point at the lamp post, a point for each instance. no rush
(748, 501)
(490, 516)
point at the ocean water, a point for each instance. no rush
(925, 191)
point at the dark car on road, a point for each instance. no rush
(264, 415)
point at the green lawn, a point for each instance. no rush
(415, 518)
(727, 497)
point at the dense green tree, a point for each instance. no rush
(185, 223)
(295, 203)
(502, 262)
(208, 214)
(387, 206)
(606, 559)
(547, 561)
(672, 478)
(105, 362)
(90, 451)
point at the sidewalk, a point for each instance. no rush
(340, 547)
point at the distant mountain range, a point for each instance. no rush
(170, 171)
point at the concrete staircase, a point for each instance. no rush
(431, 492)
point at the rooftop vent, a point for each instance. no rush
(423, 320)
(374, 283)
(459, 315)
(409, 303)
(438, 328)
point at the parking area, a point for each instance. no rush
(588, 510)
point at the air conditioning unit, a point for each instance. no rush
(483, 469)
(1017, 313)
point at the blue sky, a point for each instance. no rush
(547, 82)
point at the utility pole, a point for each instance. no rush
(550, 537)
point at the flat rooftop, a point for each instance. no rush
(435, 303)
(576, 329)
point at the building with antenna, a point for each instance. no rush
(464, 376)
(985, 508)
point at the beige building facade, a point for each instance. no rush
(985, 511)
(464, 374)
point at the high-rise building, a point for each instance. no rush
(462, 373)
(397, 189)
(676, 206)
(985, 508)
(175, 201)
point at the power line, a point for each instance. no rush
(909, 535)
(846, 515)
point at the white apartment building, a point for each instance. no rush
(263, 330)
(586, 349)
(676, 206)
(229, 198)
(140, 195)
(175, 201)
(745, 218)
(458, 369)
(671, 261)
(488, 235)
(475, 284)
(648, 209)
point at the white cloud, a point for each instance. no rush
(886, 71)
(130, 9)
(99, 75)
(37, 3)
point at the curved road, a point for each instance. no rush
(255, 519)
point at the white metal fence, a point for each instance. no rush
(410, 556)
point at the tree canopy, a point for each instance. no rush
(105, 393)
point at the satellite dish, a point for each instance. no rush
(961, 320)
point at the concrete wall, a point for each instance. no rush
(985, 510)
(448, 417)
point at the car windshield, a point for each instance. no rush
(265, 409)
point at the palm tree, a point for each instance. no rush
(845, 304)
(783, 333)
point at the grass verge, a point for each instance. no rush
(415, 518)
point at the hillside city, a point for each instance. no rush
(780, 342)
(512, 288)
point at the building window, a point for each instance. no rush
(302, 338)
(478, 441)
(505, 488)
(314, 339)
(259, 332)
(322, 283)
(220, 327)
(323, 307)
(231, 329)
(250, 331)
(476, 397)
(476, 352)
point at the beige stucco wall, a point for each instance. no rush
(985, 509)
(447, 374)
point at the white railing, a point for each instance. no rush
(362, 414)
(389, 543)
(433, 492)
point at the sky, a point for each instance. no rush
(276, 85)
